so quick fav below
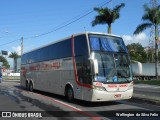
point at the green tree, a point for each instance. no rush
(107, 16)
(4, 61)
(152, 18)
(137, 52)
(151, 56)
(14, 55)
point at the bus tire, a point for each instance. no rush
(31, 87)
(70, 94)
(27, 85)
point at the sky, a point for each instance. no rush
(31, 18)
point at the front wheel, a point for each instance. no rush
(70, 94)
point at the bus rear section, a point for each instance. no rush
(87, 66)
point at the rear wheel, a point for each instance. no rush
(31, 87)
(70, 94)
(27, 85)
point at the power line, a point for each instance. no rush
(67, 24)
(73, 20)
(10, 42)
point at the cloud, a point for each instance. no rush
(141, 38)
(17, 49)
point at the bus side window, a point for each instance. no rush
(83, 70)
(82, 62)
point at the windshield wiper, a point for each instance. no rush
(126, 79)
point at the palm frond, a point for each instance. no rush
(101, 11)
(116, 11)
(146, 8)
(106, 15)
(145, 16)
(98, 20)
(118, 7)
(152, 14)
(98, 10)
(14, 55)
(142, 27)
(158, 7)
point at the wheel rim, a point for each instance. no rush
(27, 86)
(70, 94)
(31, 87)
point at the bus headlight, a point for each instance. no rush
(99, 88)
(130, 86)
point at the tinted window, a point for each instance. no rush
(82, 62)
(55, 51)
(81, 47)
(107, 43)
(83, 70)
(95, 43)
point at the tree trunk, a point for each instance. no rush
(156, 51)
(15, 65)
(109, 29)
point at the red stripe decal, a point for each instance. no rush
(75, 68)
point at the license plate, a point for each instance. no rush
(117, 95)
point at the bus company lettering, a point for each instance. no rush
(34, 67)
(112, 85)
(45, 66)
(115, 85)
(123, 85)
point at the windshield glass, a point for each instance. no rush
(123, 67)
(107, 43)
(106, 67)
(112, 56)
(113, 67)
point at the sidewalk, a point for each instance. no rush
(147, 93)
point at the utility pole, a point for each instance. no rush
(21, 45)
(154, 36)
(152, 41)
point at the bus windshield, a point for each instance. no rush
(112, 57)
(107, 43)
(113, 67)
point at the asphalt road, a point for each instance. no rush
(149, 90)
(21, 103)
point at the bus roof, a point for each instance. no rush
(82, 33)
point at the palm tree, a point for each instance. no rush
(152, 18)
(14, 55)
(4, 61)
(107, 16)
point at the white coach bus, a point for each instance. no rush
(88, 66)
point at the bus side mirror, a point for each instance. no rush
(95, 66)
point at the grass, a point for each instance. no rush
(11, 78)
(150, 82)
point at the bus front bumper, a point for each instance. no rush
(111, 96)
